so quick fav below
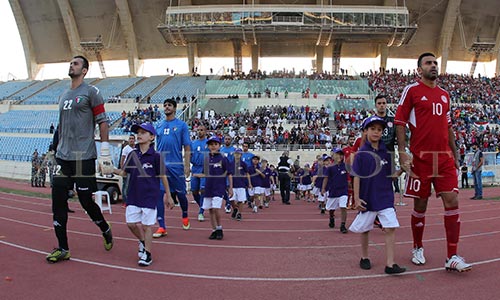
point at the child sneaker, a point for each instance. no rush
(145, 260)
(394, 270)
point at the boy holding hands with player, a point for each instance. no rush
(146, 168)
(373, 195)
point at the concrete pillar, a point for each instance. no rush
(238, 63)
(336, 50)
(447, 30)
(320, 55)
(384, 54)
(192, 54)
(255, 57)
(497, 68)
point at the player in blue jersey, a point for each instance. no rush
(246, 156)
(227, 149)
(257, 191)
(199, 153)
(373, 195)
(172, 136)
(267, 181)
(216, 171)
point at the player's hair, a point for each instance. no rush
(85, 61)
(419, 62)
(380, 96)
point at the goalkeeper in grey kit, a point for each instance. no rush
(81, 107)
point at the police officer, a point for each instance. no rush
(284, 175)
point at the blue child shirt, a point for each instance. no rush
(218, 170)
(337, 180)
(144, 181)
(374, 167)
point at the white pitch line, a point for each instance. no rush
(252, 246)
(238, 278)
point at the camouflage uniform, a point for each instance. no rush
(35, 166)
(42, 172)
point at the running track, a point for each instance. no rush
(284, 252)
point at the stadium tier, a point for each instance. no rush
(21, 148)
(145, 87)
(12, 87)
(110, 87)
(37, 121)
(179, 86)
(50, 94)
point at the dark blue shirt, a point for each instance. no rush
(337, 180)
(319, 173)
(374, 168)
(266, 181)
(306, 178)
(144, 182)
(240, 171)
(255, 177)
(218, 171)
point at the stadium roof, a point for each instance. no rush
(52, 30)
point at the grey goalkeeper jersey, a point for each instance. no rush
(79, 111)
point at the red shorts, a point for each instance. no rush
(442, 175)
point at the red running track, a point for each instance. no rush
(283, 252)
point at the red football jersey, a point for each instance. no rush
(427, 112)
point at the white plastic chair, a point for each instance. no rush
(98, 199)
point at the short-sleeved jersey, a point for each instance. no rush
(427, 112)
(171, 136)
(255, 177)
(228, 151)
(389, 133)
(240, 172)
(199, 149)
(218, 170)
(266, 181)
(80, 109)
(336, 185)
(374, 168)
(144, 182)
(306, 178)
(246, 157)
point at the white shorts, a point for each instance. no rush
(256, 191)
(321, 198)
(364, 220)
(267, 191)
(316, 191)
(239, 195)
(334, 203)
(304, 187)
(212, 202)
(273, 187)
(135, 214)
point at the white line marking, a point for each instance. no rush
(237, 278)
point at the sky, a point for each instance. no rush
(13, 64)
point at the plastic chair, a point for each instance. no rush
(98, 199)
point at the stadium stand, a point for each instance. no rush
(145, 87)
(12, 87)
(110, 87)
(179, 86)
(21, 148)
(28, 121)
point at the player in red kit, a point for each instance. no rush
(425, 108)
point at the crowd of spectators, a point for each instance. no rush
(462, 88)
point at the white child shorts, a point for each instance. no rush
(322, 197)
(145, 216)
(304, 187)
(364, 220)
(334, 203)
(267, 192)
(212, 202)
(239, 195)
(256, 191)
